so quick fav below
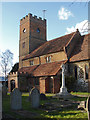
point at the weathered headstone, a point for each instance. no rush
(42, 96)
(35, 98)
(16, 99)
(0, 101)
(82, 105)
(4, 90)
(88, 107)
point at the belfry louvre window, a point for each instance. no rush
(23, 45)
(31, 62)
(48, 59)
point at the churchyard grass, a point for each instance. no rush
(80, 93)
(40, 113)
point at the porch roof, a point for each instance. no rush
(47, 69)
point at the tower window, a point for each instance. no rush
(23, 45)
(24, 30)
(48, 59)
(38, 30)
(31, 62)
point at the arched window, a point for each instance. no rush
(80, 73)
(86, 72)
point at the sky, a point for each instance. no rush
(62, 18)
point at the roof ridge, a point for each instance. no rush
(71, 38)
(61, 36)
(47, 43)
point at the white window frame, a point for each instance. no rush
(48, 59)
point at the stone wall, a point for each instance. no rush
(82, 80)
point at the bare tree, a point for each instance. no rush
(6, 62)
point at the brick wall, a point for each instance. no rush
(56, 84)
(59, 56)
(27, 62)
(12, 76)
(42, 85)
(31, 39)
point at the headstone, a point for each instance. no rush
(88, 107)
(88, 104)
(0, 101)
(42, 96)
(82, 105)
(16, 99)
(35, 98)
(4, 90)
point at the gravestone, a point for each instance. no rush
(35, 98)
(16, 99)
(82, 105)
(4, 90)
(88, 107)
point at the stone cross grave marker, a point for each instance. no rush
(16, 99)
(35, 98)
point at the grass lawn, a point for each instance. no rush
(43, 113)
(80, 93)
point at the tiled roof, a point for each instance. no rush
(51, 46)
(46, 69)
(80, 51)
(28, 70)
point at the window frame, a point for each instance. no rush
(31, 62)
(48, 59)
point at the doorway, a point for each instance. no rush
(12, 84)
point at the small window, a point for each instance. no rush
(23, 45)
(48, 59)
(24, 30)
(31, 62)
(38, 30)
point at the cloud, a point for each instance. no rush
(82, 26)
(64, 14)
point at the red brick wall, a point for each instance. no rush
(56, 85)
(31, 37)
(42, 85)
(47, 85)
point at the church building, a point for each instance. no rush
(40, 60)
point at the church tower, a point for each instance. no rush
(32, 35)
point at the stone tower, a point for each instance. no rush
(32, 35)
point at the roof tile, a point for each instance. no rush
(46, 69)
(51, 46)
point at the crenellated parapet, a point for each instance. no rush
(13, 74)
(31, 17)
